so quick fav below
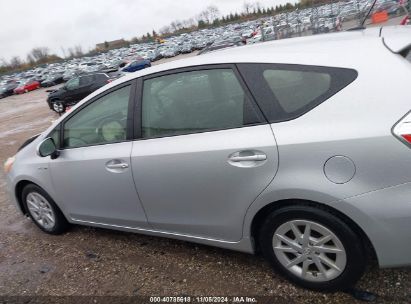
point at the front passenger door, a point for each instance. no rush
(92, 175)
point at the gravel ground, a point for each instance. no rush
(98, 262)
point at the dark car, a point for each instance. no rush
(137, 65)
(52, 80)
(75, 90)
(8, 89)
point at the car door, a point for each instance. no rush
(86, 83)
(71, 90)
(92, 175)
(204, 152)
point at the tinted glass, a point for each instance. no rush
(85, 80)
(296, 89)
(103, 121)
(285, 91)
(194, 102)
(73, 83)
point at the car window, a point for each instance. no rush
(103, 121)
(194, 102)
(73, 83)
(295, 89)
(285, 92)
(85, 80)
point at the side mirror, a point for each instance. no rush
(47, 148)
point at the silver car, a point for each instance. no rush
(299, 149)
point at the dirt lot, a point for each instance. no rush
(97, 262)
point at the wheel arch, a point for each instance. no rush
(18, 191)
(259, 217)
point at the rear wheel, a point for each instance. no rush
(43, 210)
(313, 248)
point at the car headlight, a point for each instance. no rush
(8, 164)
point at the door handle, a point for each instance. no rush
(117, 166)
(257, 157)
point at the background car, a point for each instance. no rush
(26, 86)
(137, 65)
(75, 90)
(52, 80)
(7, 89)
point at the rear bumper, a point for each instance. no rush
(385, 216)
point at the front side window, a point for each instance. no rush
(103, 121)
(193, 102)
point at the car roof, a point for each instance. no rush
(349, 49)
(325, 49)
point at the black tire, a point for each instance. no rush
(354, 249)
(60, 225)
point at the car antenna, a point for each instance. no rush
(361, 26)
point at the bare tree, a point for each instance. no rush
(63, 50)
(213, 13)
(78, 51)
(165, 30)
(204, 16)
(71, 52)
(248, 8)
(3, 62)
(39, 54)
(30, 59)
(15, 62)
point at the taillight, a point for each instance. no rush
(402, 129)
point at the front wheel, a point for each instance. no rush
(43, 210)
(59, 107)
(313, 248)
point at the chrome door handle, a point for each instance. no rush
(258, 157)
(117, 166)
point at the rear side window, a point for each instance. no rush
(286, 92)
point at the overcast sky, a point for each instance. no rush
(65, 23)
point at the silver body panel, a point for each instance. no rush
(184, 187)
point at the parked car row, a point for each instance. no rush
(320, 19)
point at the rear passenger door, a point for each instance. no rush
(204, 152)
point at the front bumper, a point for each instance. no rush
(11, 193)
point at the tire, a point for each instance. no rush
(348, 255)
(58, 107)
(47, 216)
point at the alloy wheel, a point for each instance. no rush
(41, 210)
(309, 250)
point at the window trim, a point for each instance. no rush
(254, 73)
(129, 128)
(138, 134)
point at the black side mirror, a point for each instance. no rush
(48, 148)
